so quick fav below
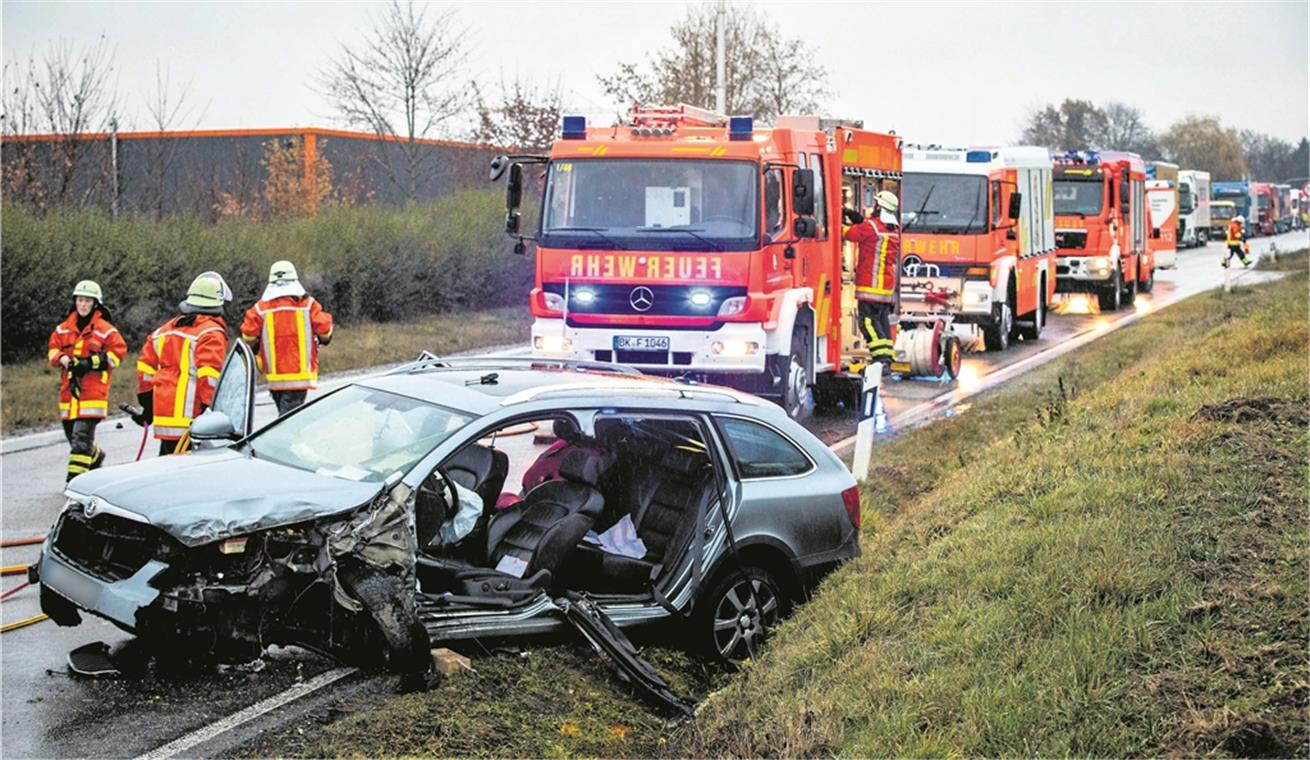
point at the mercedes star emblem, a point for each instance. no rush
(641, 298)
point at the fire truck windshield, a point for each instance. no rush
(1081, 197)
(945, 203)
(671, 204)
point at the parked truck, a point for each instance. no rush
(1221, 213)
(1193, 208)
(1100, 226)
(1265, 209)
(1162, 212)
(690, 244)
(978, 246)
(1286, 214)
(1242, 197)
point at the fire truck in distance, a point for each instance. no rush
(1162, 213)
(690, 244)
(1193, 208)
(978, 242)
(1264, 218)
(1100, 226)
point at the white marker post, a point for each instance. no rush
(864, 430)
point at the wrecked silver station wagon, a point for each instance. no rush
(459, 498)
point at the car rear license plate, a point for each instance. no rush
(641, 343)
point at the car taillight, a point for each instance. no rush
(851, 498)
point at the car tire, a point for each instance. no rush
(400, 640)
(996, 336)
(730, 623)
(1110, 297)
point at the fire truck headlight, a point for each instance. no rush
(976, 296)
(552, 344)
(584, 297)
(734, 305)
(554, 302)
(700, 298)
(735, 347)
(1100, 265)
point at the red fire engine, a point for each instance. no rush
(691, 244)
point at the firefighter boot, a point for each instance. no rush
(97, 459)
(1246, 262)
(78, 464)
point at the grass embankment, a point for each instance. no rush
(1124, 575)
(29, 391)
(1103, 569)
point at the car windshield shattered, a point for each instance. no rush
(357, 433)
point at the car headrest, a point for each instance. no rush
(580, 465)
(476, 459)
(565, 429)
(684, 462)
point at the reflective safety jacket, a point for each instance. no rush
(285, 332)
(1234, 236)
(180, 363)
(100, 342)
(878, 260)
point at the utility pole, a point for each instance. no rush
(720, 65)
(113, 167)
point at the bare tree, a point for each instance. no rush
(1073, 125)
(402, 84)
(168, 109)
(67, 92)
(1124, 128)
(765, 74)
(524, 115)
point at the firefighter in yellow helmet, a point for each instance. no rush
(86, 349)
(1236, 241)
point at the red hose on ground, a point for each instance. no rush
(145, 434)
(14, 590)
(21, 542)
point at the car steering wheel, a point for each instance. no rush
(445, 491)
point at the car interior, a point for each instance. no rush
(565, 511)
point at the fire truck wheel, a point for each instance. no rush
(796, 399)
(996, 336)
(1110, 297)
(1130, 288)
(1148, 284)
(1034, 331)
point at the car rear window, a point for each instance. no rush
(761, 452)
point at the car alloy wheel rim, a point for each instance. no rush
(796, 385)
(742, 620)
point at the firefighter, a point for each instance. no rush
(87, 348)
(1236, 240)
(877, 234)
(285, 329)
(181, 361)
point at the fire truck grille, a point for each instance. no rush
(107, 546)
(1070, 239)
(653, 300)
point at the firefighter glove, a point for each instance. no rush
(851, 216)
(138, 414)
(147, 401)
(75, 385)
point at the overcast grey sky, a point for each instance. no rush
(936, 72)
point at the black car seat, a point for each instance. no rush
(547, 525)
(664, 500)
(480, 469)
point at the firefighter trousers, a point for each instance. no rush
(1235, 249)
(83, 453)
(287, 400)
(876, 324)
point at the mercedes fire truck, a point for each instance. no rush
(691, 244)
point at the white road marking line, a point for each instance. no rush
(204, 734)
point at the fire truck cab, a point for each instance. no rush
(1100, 226)
(691, 244)
(979, 240)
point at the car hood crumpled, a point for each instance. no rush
(209, 496)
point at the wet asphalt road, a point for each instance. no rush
(47, 713)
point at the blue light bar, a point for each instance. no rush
(741, 127)
(978, 156)
(575, 127)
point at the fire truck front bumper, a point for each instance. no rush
(1078, 274)
(733, 347)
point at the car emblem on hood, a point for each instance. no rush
(92, 507)
(641, 298)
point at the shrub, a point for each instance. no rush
(367, 263)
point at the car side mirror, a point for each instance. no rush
(512, 222)
(1016, 205)
(802, 191)
(803, 228)
(514, 190)
(498, 166)
(213, 425)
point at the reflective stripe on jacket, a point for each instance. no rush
(879, 257)
(180, 363)
(98, 337)
(287, 331)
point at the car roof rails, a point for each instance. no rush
(428, 361)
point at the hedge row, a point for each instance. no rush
(370, 263)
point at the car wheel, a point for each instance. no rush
(1110, 297)
(401, 641)
(996, 337)
(739, 612)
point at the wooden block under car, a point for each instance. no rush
(446, 661)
